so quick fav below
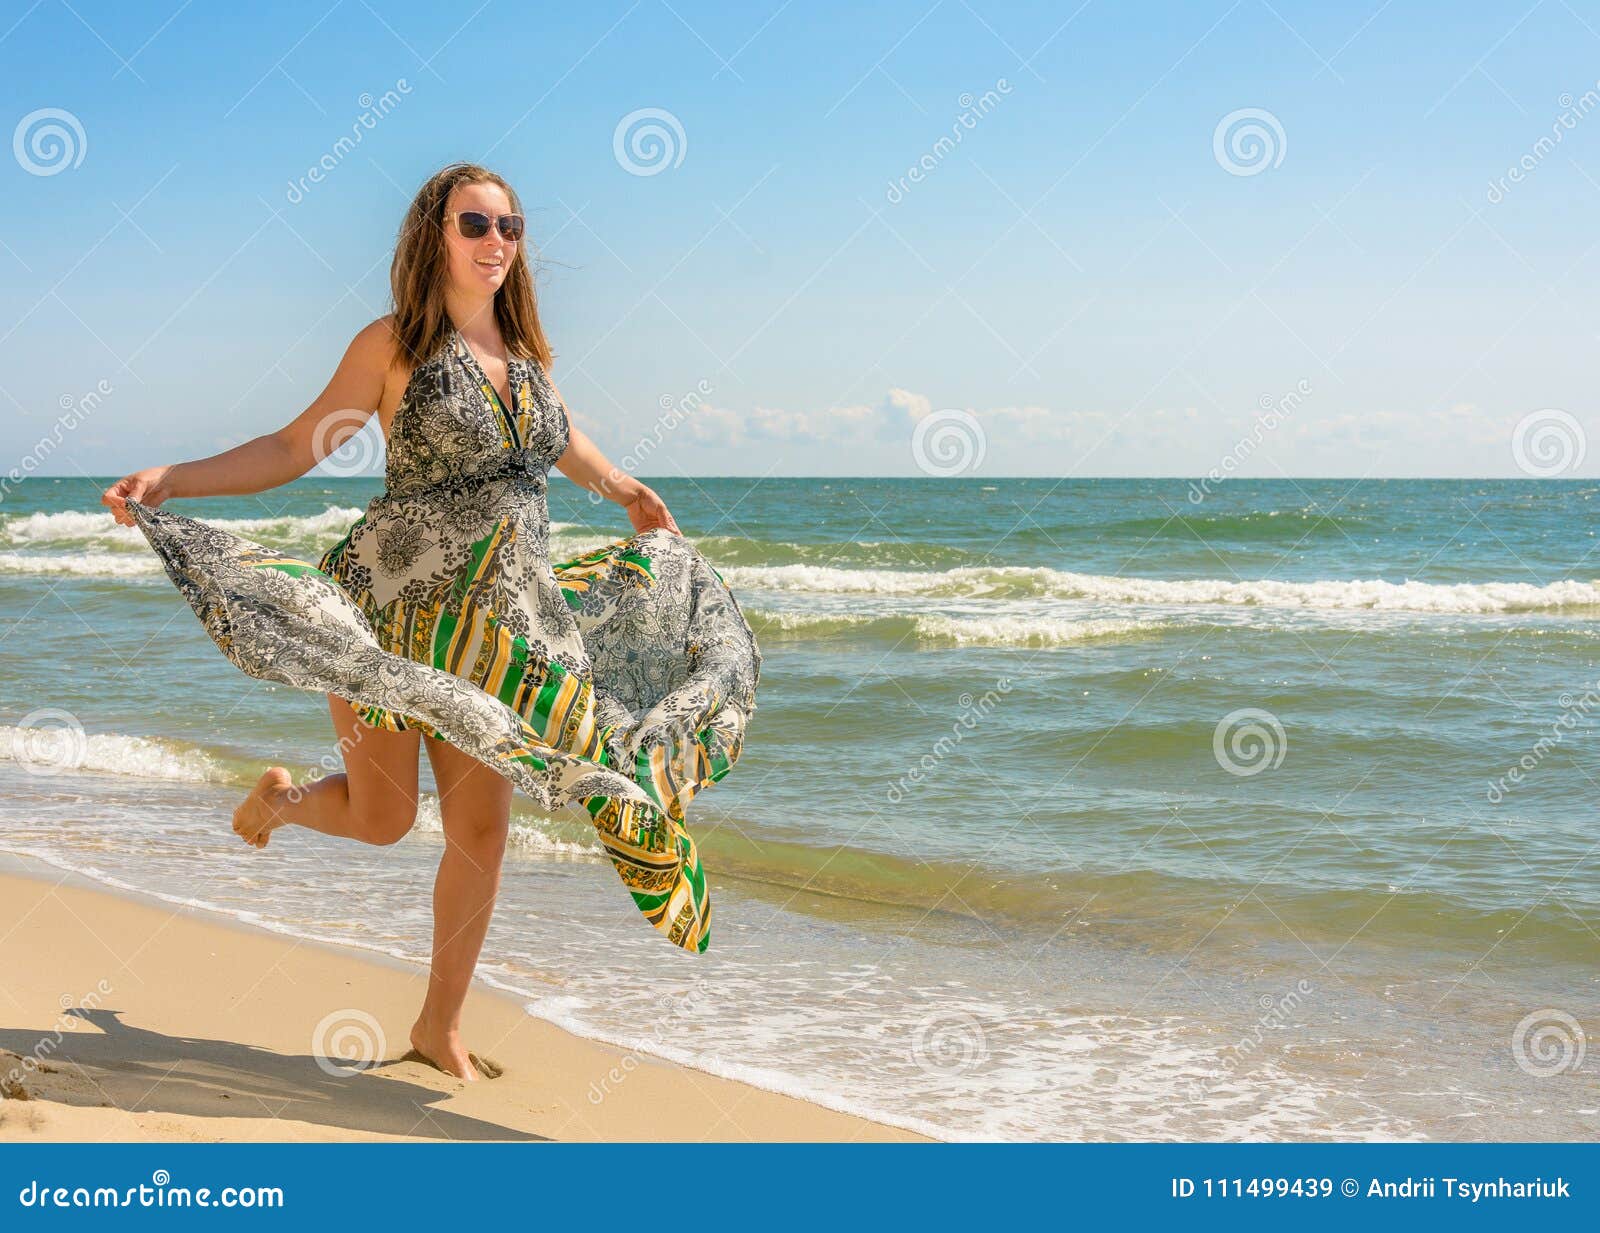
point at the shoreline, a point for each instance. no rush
(128, 1017)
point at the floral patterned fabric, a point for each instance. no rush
(621, 680)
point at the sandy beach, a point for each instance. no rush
(137, 1021)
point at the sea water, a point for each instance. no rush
(1071, 809)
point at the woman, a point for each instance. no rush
(622, 679)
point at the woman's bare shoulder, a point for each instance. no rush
(375, 349)
(376, 342)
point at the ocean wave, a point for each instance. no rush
(110, 752)
(932, 629)
(1008, 582)
(66, 750)
(80, 564)
(99, 528)
(90, 544)
(120, 552)
(1155, 906)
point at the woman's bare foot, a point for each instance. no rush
(443, 1050)
(256, 819)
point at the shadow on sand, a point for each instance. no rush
(142, 1071)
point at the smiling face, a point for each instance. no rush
(478, 267)
(442, 281)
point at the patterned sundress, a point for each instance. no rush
(622, 679)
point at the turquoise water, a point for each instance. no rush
(1076, 809)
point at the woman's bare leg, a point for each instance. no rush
(475, 806)
(374, 800)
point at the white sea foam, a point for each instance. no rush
(103, 549)
(1024, 631)
(80, 564)
(935, 628)
(800, 622)
(98, 527)
(64, 750)
(111, 752)
(97, 532)
(528, 837)
(1022, 581)
(100, 548)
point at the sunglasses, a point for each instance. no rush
(474, 226)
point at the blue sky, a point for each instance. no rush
(1091, 281)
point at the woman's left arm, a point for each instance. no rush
(585, 465)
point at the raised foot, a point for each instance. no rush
(258, 816)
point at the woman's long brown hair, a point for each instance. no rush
(420, 273)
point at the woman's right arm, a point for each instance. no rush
(339, 412)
